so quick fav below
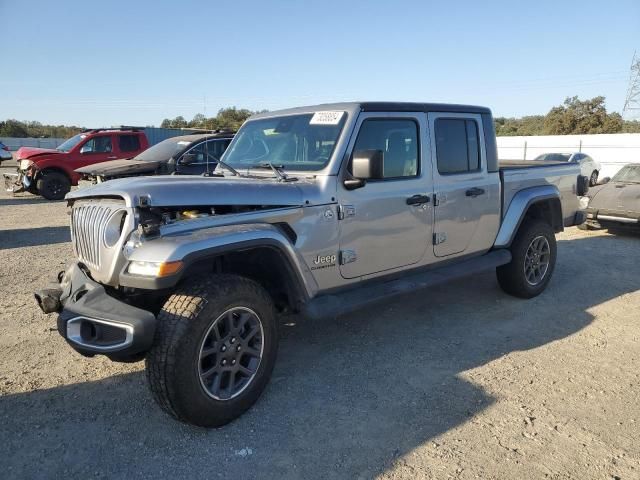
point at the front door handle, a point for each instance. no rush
(474, 192)
(418, 200)
(113, 157)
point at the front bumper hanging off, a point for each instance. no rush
(94, 322)
(16, 182)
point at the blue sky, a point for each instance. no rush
(137, 62)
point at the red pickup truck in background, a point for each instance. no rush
(51, 172)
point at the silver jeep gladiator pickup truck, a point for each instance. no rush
(316, 210)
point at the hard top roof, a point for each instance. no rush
(354, 107)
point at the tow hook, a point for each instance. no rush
(49, 299)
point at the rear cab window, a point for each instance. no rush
(457, 145)
(129, 143)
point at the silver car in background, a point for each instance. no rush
(588, 166)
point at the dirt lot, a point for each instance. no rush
(460, 381)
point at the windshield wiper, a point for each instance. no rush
(280, 174)
(229, 167)
(278, 170)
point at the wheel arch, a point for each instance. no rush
(41, 172)
(262, 252)
(264, 262)
(540, 203)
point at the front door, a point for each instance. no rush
(97, 149)
(381, 227)
(464, 192)
(205, 157)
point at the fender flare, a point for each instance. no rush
(211, 242)
(518, 209)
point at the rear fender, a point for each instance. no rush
(521, 204)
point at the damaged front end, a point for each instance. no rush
(21, 181)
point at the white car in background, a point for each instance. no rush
(588, 166)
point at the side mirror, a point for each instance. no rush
(365, 165)
(604, 180)
(86, 149)
(188, 159)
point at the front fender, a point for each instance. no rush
(518, 208)
(191, 247)
(56, 163)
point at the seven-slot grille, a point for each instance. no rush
(88, 221)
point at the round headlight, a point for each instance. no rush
(113, 228)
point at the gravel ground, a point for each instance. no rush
(460, 381)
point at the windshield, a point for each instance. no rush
(295, 142)
(553, 157)
(628, 173)
(163, 150)
(68, 145)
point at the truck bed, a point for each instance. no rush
(513, 164)
(518, 175)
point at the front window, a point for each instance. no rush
(68, 145)
(296, 142)
(628, 173)
(97, 145)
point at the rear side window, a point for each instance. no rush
(129, 143)
(457, 145)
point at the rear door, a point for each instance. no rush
(128, 145)
(464, 192)
(380, 229)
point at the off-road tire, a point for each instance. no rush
(184, 321)
(511, 277)
(53, 185)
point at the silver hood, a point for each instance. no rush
(183, 190)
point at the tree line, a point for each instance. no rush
(226, 119)
(574, 116)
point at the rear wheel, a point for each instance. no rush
(53, 185)
(533, 260)
(214, 349)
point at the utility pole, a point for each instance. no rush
(631, 108)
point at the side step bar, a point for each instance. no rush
(343, 302)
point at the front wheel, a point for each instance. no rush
(53, 185)
(533, 260)
(593, 179)
(214, 349)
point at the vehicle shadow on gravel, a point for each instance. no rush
(26, 200)
(348, 398)
(32, 237)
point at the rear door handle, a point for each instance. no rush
(418, 200)
(474, 192)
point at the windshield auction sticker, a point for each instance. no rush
(326, 118)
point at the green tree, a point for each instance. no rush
(575, 116)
